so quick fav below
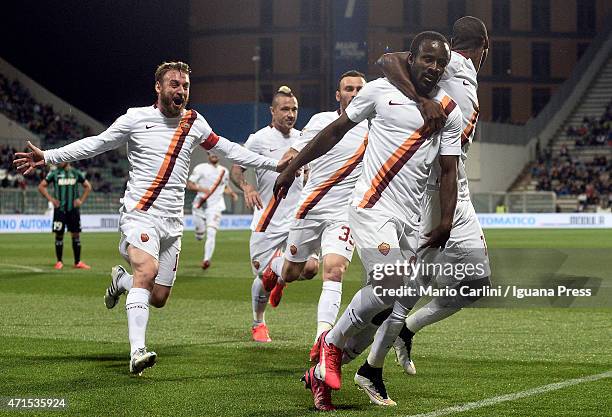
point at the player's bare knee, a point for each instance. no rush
(159, 296)
(144, 274)
(292, 270)
(75, 235)
(311, 269)
(334, 273)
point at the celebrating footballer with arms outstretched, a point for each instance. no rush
(160, 139)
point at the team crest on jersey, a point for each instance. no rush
(384, 248)
(255, 264)
(293, 249)
(144, 237)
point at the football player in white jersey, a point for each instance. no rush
(321, 221)
(210, 181)
(466, 245)
(160, 140)
(272, 217)
(384, 213)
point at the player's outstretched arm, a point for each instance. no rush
(319, 145)
(26, 162)
(240, 155)
(113, 137)
(394, 66)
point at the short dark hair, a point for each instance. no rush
(428, 35)
(283, 91)
(350, 73)
(469, 33)
(164, 67)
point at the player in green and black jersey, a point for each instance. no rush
(66, 202)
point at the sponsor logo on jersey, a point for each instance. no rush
(384, 248)
(144, 237)
(66, 181)
(186, 126)
(392, 103)
(149, 127)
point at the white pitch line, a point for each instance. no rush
(27, 268)
(515, 396)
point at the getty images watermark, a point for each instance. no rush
(500, 278)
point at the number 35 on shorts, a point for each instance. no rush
(345, 236)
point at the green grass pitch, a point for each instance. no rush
(58, 340)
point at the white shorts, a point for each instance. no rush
(160, 237)
(466, 244)
(308, 236)
(264, 246)
(203, 218)
(381, 239)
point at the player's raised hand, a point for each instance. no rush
(437, 238)
(283, 183)
(27, 162)
(434, 116)
(251, 197)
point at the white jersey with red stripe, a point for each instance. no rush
(159, 150)
(213, 177)
(276, 216)
(460, 82)
(398, 159)
(332, 176)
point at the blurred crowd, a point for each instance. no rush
(568, 175)
(588, 181)
(593, 131)
(96, 170)
(54, 129)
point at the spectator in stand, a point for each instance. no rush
(53, 128)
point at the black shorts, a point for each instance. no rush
(67, 219)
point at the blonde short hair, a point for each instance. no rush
(164, 67)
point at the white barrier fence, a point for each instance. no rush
(110, 222)
(101, 223)
(545, 220)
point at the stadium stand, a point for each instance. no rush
(53, 128)
(576, 163)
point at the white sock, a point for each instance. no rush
(383, 340)
(387, 333)
(322, 326)
(357, 344)
(359, 313)
(430, 313)
(259, 297)
(329, 306)
(125, 282)
(137, 309)
(209, 246)
(277, 265)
